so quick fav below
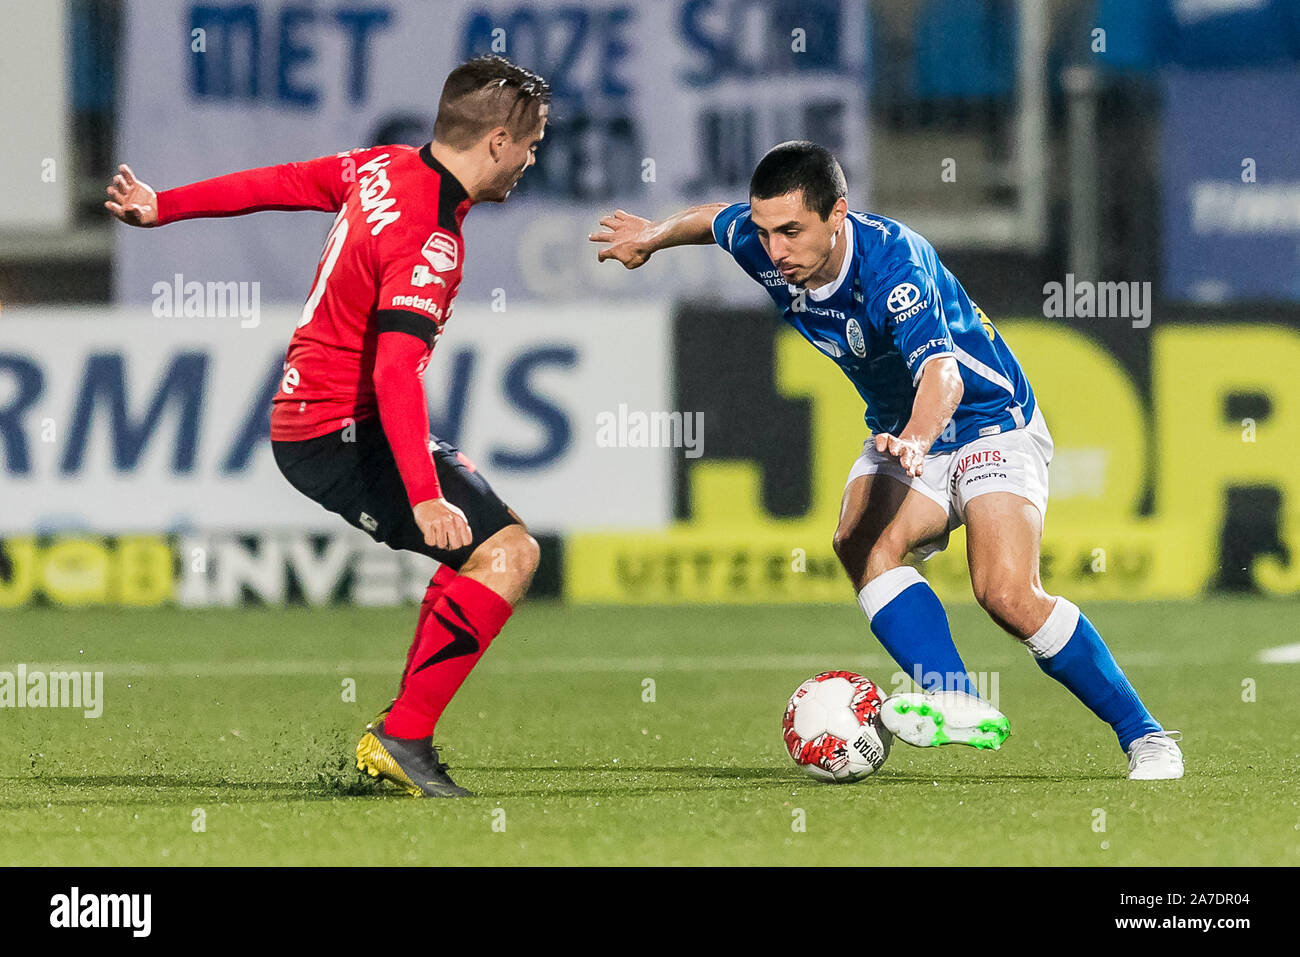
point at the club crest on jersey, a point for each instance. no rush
(903, 296)
(441, 251)
(853, 332)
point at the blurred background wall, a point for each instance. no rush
(1116, 182)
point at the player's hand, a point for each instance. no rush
(630, 239)
(443, 524)
(133, 202)
(909, 452)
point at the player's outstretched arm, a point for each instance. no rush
(632, 240)
(318, 184)
(133, 202)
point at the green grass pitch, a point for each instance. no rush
(236, 720)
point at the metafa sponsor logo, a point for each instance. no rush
(626, 429)
(424, 304)
(75, 910)
(56, 689)
(1083, 299)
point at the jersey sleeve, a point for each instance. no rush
(418, 273)
(403, 413)
(417, 280)
(319, 184)
(724, 225)
(908, 307)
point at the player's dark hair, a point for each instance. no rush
(800, 165)
(484, 93)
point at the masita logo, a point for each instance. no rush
(74, 910)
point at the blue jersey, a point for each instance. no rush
(893, 308)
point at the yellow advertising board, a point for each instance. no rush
(1138, 488)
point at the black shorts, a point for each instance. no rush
(359, 480)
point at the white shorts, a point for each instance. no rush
(1014, 461)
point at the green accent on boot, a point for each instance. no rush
(925, 711)
(995, 731)
(940, 736)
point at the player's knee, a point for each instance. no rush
(519, 554)
(994, 595)
(1010, 602)
(844, 545)
(531, 555)
(511, 556)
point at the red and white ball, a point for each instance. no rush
(832, 727)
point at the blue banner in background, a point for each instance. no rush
(1230, 164)
(656, 106)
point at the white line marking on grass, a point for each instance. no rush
(1281, 655)
(813, 664)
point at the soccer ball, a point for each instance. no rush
(832, 727)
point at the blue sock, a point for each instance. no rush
(906, 616)
(1069, 649)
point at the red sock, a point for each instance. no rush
(458, 629)
(443, 577)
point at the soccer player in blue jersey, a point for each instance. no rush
(957, 438)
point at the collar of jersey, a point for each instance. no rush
(426, 154)
(822, 293)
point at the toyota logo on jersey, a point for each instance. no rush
(441, 251)
(902, 296)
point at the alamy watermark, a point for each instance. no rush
(133, 912)
(1084, 299)
(984, 683)
(179, 299)
(54, 689)
(634, 429)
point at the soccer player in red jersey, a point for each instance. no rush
(350, 424)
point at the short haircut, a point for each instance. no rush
(800, 165)
(484, 93)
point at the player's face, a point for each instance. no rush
(515, 156)
(796, 239)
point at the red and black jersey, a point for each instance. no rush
(391, 264)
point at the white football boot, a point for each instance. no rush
(1156, 757)
(944, 717)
